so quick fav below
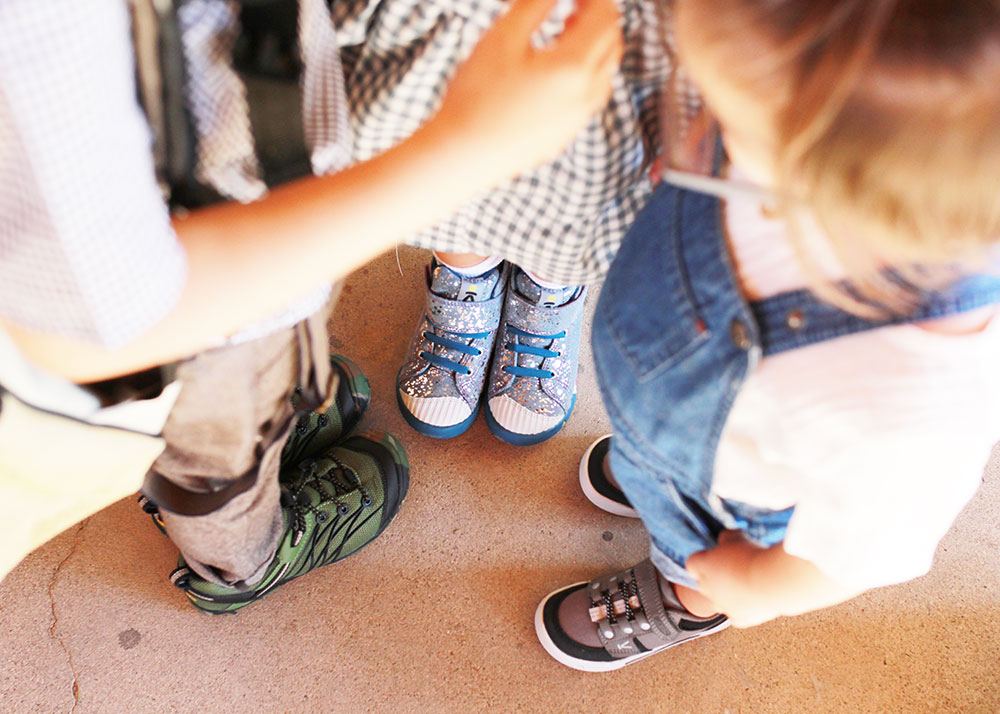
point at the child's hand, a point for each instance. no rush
(724, 576)
(752, 584)
(512, 106)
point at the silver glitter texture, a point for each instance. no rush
(448, 318)
(552, 396)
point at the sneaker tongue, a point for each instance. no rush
(453, 286)
(542, 296)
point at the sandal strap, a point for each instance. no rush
(479, 316)
(638, 621)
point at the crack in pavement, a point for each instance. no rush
(55, 617)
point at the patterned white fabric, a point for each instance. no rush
(217, 99)
(324, 100)
(86, 248)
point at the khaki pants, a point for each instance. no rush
(233, 416)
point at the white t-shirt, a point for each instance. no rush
(878, 439)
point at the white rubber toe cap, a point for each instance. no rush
(518, 419)
(437, 411)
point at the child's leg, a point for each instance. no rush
(229, 426)
(230, 397)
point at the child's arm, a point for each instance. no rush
(752, 584)
(509, 107)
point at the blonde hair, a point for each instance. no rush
(887, 120)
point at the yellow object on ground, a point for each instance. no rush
(55, 471)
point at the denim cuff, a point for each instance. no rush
(670, 568)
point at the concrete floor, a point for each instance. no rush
(437, 615)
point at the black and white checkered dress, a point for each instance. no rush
(563, 220)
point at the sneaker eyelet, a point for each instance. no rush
(343, 509)
(321, 517)
(323, 420)
(645, 625)
(366, 500)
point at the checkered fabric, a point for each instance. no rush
(86, 247)
(563, 221)
(217, 97)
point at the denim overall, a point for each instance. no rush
(674, 339)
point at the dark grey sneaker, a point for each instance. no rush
(597, 487)
(631, 619)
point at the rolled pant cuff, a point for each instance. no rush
(670, 569)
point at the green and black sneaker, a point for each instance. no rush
(338, 503)
(317, 431)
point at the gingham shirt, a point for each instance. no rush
(563, 221)
(86, 248)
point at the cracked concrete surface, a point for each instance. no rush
(77, 533)
(436, 616)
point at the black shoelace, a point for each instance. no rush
(342, 478)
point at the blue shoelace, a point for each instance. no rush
(525, 349)
(461, 347)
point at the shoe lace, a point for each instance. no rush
(448, 362)
(303, 432)
(307, 433)
(520, 346)
(628, 591)
(341, 477)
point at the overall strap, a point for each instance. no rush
(798, 318)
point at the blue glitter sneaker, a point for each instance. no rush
(441, 382)
(532, 387)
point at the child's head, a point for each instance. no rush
(882, 116)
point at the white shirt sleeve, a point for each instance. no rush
(86, 246)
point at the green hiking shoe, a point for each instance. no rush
(339, 503)
(316, 432)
